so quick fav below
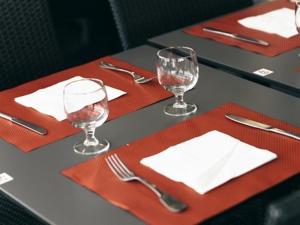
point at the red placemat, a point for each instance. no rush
(230, 24)
(132, 196)
(137, 97)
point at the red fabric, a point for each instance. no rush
(138, 96)
(230, 23)
(132, 196)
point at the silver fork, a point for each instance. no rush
(124, 174)
(137, 77)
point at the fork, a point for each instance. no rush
(124, 174)
(137, 77)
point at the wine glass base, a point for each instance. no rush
(101, 147)
(185, 111)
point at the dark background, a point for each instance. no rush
(85, 29)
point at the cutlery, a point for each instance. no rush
(236, 36)
(23, 123)
(137, 77)
(261, 126)
(124, 174)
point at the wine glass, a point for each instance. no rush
(85, 104)
(177, 71)
(297, 15)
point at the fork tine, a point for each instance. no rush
(120, 165)
(123, 165)
(113, 168)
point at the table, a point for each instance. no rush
(285, 67)
(39, 186)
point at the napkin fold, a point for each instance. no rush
(205, 162)
(50, 100)
(280, 22)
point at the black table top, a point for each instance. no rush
(40, 187)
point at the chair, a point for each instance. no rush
(85, 29)
(284, 211)
(29, 48)
(13, 214)
(138, 20)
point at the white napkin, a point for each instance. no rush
(50, 100)
(207, 161)
(280, 21)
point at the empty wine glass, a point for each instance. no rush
(85, 104)
(297, 15)
(177, 71)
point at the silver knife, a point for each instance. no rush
(262, 126)
(236, 36)
(23, 123)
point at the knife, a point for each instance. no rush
(262, 126)
(236, 36)
(23, 123)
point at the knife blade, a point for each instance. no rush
(28, 125)
(236, 36)
(262, 126)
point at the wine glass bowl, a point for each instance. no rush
(85, 104)
(177, 71)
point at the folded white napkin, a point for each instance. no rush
(207, 161)
(50, 100)
(280, 22)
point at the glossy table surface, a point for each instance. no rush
(39, 185)
(240, 62)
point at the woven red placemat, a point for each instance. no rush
(95, 175)
(230, 24)
(137, 97)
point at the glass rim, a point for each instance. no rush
(177, 47)
(101, 86)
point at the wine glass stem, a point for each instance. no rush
(179, 103)
(90, 138)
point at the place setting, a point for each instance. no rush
(268, 28)
(170, 176)
(33, 114)
(197, 162)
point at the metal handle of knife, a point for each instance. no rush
(252, 40)
(236, 36)
(284, 132)
(262, 126)
(30, 126)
